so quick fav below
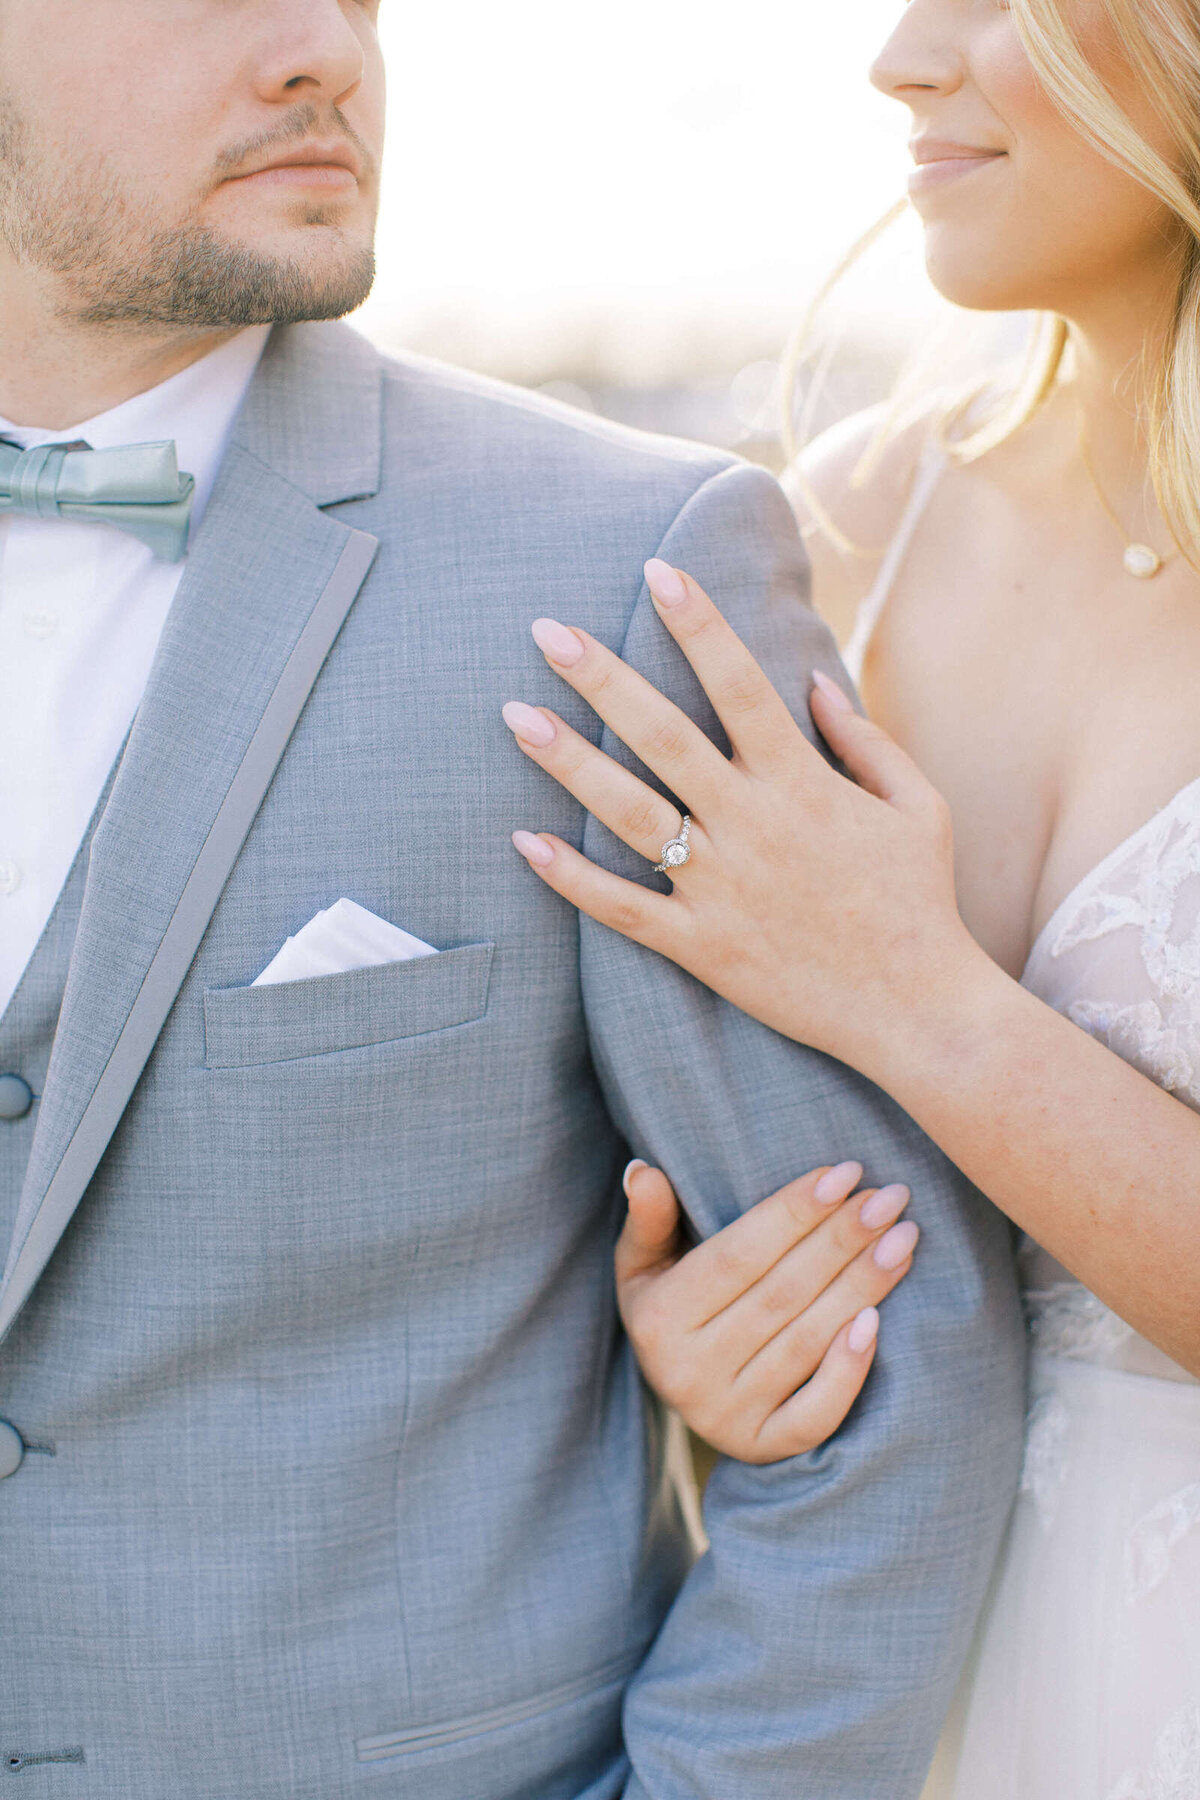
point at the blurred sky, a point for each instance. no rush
(640, 158)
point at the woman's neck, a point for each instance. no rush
(1116, 348)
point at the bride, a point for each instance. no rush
(998, 919)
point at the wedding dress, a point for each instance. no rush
(1084, 1679)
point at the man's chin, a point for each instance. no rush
(315, 269)
(198, 280)
(285, 293)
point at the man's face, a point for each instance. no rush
(148, 156)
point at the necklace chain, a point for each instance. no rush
(1140, 560)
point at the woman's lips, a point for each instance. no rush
(938, 164)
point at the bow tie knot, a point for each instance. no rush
(136, 487)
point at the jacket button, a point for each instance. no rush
(16, 1097)
(12, 1450)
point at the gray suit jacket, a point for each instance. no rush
(355, 1489)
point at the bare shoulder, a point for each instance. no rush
(849, 489)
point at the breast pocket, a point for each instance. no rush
(279, 1023)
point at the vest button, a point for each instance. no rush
(12, 1450)
(16, 1097)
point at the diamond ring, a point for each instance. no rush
(676, 851)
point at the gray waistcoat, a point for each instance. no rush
(27, 1030)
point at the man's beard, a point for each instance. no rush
(118, 269)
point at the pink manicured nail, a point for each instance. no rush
(885, 1207)
(838, 1184)
(526, 722)
(631, 1171)
(831, 691)
(534, 849)
(864, 1330)
(665, 583)
(558, 642)
(897, 1246)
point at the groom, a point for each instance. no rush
(326, 1471)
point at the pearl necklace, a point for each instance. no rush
(1139, 560)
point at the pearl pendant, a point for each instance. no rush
(1143, 562)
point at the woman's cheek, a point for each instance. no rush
(1006, 78)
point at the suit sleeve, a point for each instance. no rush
(813, 1650)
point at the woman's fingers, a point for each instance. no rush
(666, 1299)
(773, 1372)
(638, 815)
(791, 1357)
(810, 1416)
(636, 912)
(758, 723)
(659, 733)
(875, 760)
(651, 1240)
(787, 1290)
(718, 1272)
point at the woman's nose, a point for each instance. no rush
(921, 56)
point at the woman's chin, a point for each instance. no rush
(976, 278)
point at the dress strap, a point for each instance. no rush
(930, 467)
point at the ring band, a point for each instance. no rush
(676, 851)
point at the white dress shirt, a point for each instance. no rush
(82, 607)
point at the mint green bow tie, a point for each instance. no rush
(136, 487)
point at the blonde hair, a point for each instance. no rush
(1160, 43)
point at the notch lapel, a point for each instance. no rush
(265, 592)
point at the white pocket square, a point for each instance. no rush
(344, 936)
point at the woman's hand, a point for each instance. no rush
(825, 909)
(762, 1336)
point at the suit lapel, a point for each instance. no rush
(266, 589)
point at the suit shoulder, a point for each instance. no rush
(522, 480)
(468, 417)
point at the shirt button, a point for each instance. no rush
(16, 1097)
(12, 1450)
(10, 878)
(40, 624)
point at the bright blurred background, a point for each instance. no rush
(630, 205)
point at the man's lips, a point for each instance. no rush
(310, 165)
(943, 159)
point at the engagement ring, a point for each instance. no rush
(676, 851)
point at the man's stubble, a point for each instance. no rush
(121, 268)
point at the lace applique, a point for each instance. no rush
(1171, 1772)
(1045, 1465)
(1069, 1320)
(1168, 1053)
(1152, 894)
(1139, 994)
(1164, 860)
(1149, 1545)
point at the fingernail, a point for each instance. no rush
(897, 1246)
(525, 722)
(665, 583)
(558, 642)
(864, 1330)
(885, 1207)
(838, 1184)
(534, 849)
(831, 691)
(630, 1172)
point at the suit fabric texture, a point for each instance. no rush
(349, 1485)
